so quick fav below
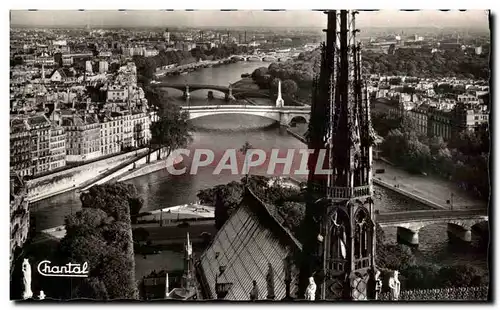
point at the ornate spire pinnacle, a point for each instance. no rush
(279, 101)
(340, 208)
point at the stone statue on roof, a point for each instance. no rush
(394, 286)
(270, 282)
(254, 294)
(311, 289)
(26, 268)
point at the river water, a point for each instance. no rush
(219, 133)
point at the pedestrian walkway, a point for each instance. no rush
(438, 191)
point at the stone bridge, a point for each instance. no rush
(262, 57)
(229, 92)
(408, 223)
(283, 115)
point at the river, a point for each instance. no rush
(222, 132)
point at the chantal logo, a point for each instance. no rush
(69, 270)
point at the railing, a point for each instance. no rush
(362, 262)
(349, 192)
(444, 294)
(246, 107)
(429, 215)
(337, 264)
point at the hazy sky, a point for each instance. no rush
(391, 18)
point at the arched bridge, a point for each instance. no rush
(229, 92)
(408, 223)
(284, 115)
(261, 57)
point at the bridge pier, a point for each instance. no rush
(186, 94)
(284, 119)
(229, 95)
(407, 236)
(459, 233)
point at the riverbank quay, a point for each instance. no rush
(138, 167)
(296, 135)
(437, 192)
(246, 83)
(431, 191)
(179, 69)
(74, 177)
(118, 168)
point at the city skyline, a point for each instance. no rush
(262, 19)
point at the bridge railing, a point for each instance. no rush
(429, 215)
(246, 107)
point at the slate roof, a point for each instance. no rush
(78, 120)
(38, 120)
(250, 240)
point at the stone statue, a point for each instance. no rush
(26, 267)
(394, 286)
(311, 289)
(41, 296)
(254, 294)
(341, 235)
(270, 282)
(378, 284)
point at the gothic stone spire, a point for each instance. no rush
(339, 243)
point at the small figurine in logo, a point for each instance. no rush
(311, 289)
(26, 268)
(41, 296)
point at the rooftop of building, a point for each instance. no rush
(79, 119)
(251, 244)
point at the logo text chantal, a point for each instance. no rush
(69, 270)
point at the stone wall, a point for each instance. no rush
(59, 182)
(142, 168)
(445, 294)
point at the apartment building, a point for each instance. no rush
(83, 137)
(57, 146)
(116, 132)
(469, 116)
(19, 215)
(140, 122)
(117, 93)
(20, 146)
(39, 127)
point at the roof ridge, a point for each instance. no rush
(249, 193)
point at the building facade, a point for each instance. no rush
(439, 124)
(19, 215)
(40, 130)
(117, 93)
(470, 117)
(57, 147)
(420, 117)
(83, 137)
(20, 146)
(140, 123)
(103, 66)
(116, 132)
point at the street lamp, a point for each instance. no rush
(244, 149)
